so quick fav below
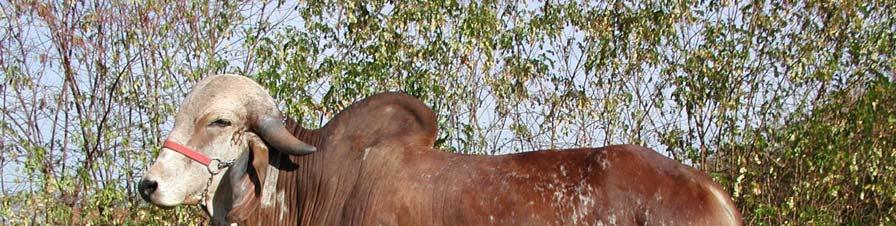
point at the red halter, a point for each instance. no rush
(196, 156)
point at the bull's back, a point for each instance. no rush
(653, 189)
(614, 185)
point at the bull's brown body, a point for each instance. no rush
(376, 165)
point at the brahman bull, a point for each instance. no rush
(374, 164)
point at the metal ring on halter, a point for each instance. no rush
(215, 166)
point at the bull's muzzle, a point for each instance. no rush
(146, 188)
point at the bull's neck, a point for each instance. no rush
(310, 184)
(314, 188)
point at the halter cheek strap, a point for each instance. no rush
(196, 156)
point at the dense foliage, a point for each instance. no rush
(791, 105)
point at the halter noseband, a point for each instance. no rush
(196, 156)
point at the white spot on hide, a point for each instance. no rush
(604, 163)
(366, 150)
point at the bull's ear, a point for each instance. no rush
(248, 183)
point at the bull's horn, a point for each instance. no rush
(271, 130)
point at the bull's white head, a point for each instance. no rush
(224, 117)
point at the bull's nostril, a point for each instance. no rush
(147, 187)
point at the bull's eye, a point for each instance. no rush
(220, 123)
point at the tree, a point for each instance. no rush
(787, 104)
